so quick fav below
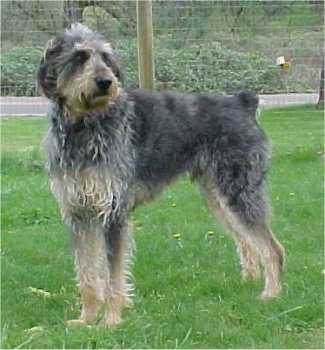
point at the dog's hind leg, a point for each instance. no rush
(246, 218)
(248, 255)
(119, 249)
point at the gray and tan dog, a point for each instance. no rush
(110, 149)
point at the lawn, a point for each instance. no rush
(188, 288)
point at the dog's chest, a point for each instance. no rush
(89, 193)
(82, 148)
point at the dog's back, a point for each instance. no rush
(193, 117)
(174, 131)
(176, 104)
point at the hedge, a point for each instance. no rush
(204, 67)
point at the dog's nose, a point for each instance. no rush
(103, 83)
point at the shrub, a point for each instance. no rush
(192, 68)
(18, 67)
(215, 68)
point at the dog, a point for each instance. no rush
(110, 149)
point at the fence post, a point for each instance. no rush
(321, 98)
(73, 11)
(145, 45)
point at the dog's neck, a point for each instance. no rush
(80, 142)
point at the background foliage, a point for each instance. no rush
(199, 45)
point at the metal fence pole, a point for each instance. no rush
(145, 45)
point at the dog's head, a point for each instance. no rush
(79, 68)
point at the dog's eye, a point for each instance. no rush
(81, 57)
(105, 57)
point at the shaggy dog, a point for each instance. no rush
(110, 149)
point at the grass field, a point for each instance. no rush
(188, 288)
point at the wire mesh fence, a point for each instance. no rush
(218, 46)
(211, 46)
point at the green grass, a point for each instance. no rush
(188, 290)
(22, 134)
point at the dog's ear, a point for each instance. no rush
(46, 72)
(117, 71)
(114, 62)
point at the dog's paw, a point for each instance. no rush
(113, 320)
(76, 323)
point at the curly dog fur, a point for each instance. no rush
(110, 149)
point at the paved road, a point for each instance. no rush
(31, 106)
(23, 106)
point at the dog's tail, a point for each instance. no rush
(249, 100)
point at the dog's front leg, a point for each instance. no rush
(91, 267)
(119, 246)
